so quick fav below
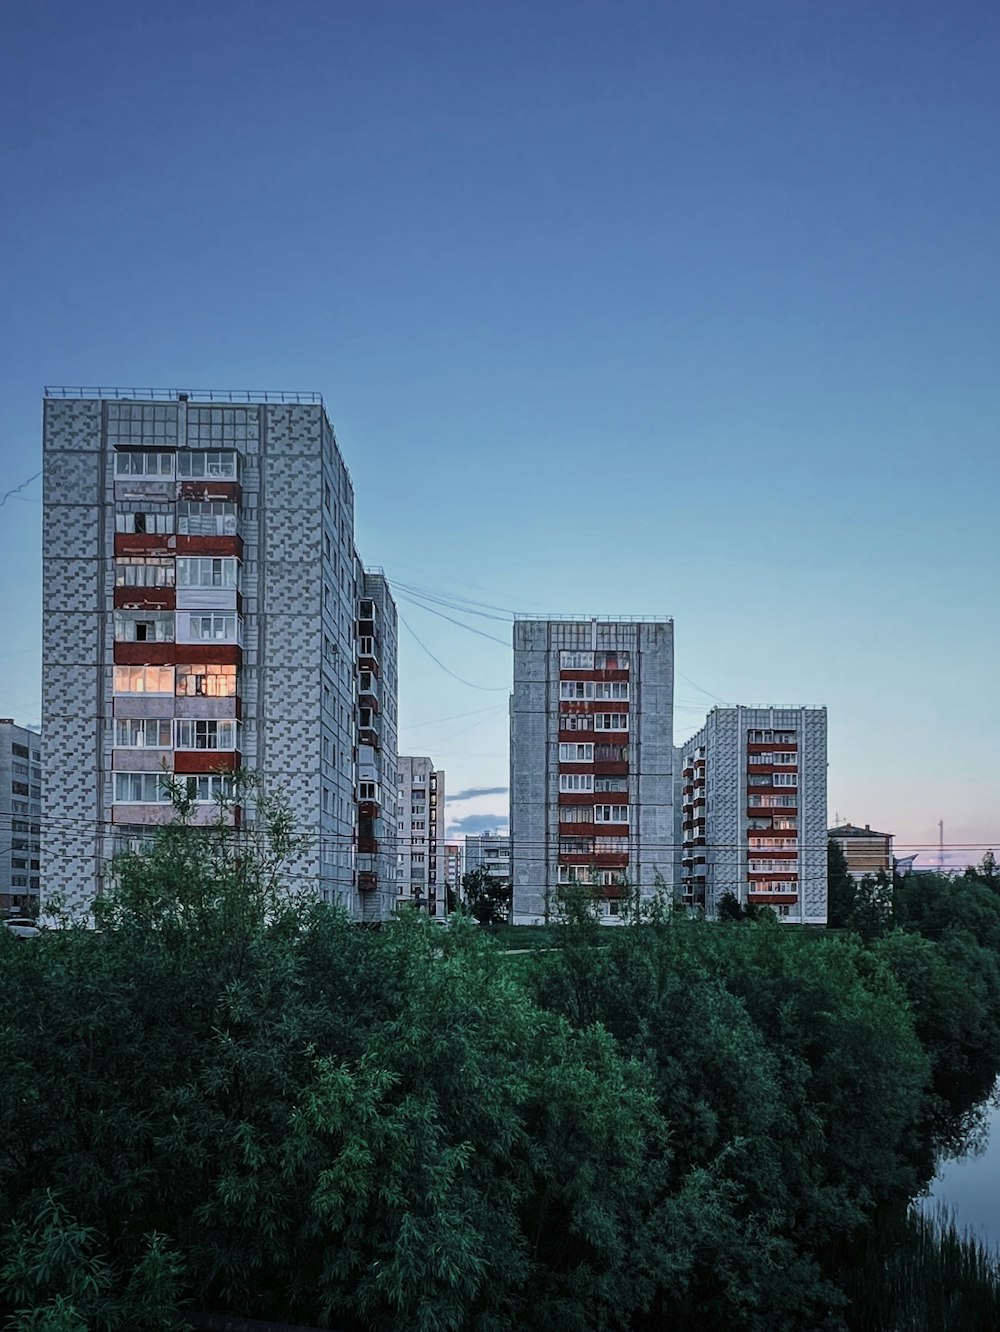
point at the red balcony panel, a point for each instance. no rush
(367, 881)
(777, 899)
(576, 858)
(143, 543)
(206, 760)
(776, 876)
(594, 675)
(209, 490)
(210, 545)
(757, 748)
(611, 768)
(610, 859)
(209, 654)
(368, 846)
(611, 829)
(761, 811)
(145, 598)
(576, 798)
(760, 852)
(576, 829)
(760, 769)
(369, 808)
(145, 654)
(586, 706)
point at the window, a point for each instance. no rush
(206, 681)
(576, 814)
(611, 661)
(145, 788)
(132, 463)
(771, 737)
(576, 846)
(576, 781)
(196, 571)
(208, 786)
(786, 779)
(207, 518)
(611, 721)
(774, 867)
(199, 734)
(610, 784)
(575, 721)
(579, 689)
(144, 627)
(785, 757)
(130, 519)
(215, 627)
(759, 779)
(221, 426)
(783, 821)
(610, 845)
(611, 753)
(19, 751)
(773, 801)
(144, 679)
(367, 791)
(773, 843)
(615, 689)
(576, 753)
(576, 661)
(576, 874)
(144, 572)
(198, 465)
(142, 423)
(611, 813)
(142, 733)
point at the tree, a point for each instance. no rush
(488, 897)
(729, 908)
(841, 887)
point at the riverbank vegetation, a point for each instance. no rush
(230, 1100)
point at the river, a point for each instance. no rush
(969, 1185)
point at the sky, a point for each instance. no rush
(643, 308)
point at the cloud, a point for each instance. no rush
(477, 823)
(473, 792)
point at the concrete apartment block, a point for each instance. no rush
(592, 762)
(201, 600)
(753, 811)
(491, 849)
(20, 817)
(420, 825)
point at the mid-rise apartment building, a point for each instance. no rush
(867, 852)
(20, 817)
(378, 688)
(753, 811)
(420, 826)
(204, 610)
(453, 869)
(592, 763)
(491, 850)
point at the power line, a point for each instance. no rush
(16, 489)
(487, 689)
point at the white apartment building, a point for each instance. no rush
(592, 762)
(420, 829)
(20, 817)
(491, 849)
(205, 611)
(753, 811)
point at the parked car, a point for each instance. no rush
(23, 927)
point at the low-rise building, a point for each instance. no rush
(867, 852)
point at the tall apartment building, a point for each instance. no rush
(203, 606)
(592, 762)
(420, 825)
(753, 811)
(378, 688)
(491, 849)
(20, 816)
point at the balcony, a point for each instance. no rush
(367, 881)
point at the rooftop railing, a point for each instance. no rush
(184, 395)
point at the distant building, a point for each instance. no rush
(453, 871)
(592, 762)
(753, 811)
(20, 816)
(491, 849)
(865, 851)
(420, 828)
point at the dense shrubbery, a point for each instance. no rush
(231, 1101)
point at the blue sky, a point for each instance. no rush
(641, 308)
